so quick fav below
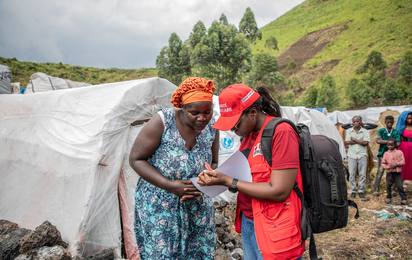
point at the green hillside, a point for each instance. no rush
(22, 70)
(355, 29)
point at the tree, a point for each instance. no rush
(198, 31)
(287, 100)
(405, 70)
(173, 60)
(327, 93)
(374, 64)
(271, 43)
(223, 20)
(265, 70)
(391, 92)
(249, 27)
(359, 93)
(310, 97)
(223, 54)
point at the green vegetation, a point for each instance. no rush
(221, 53)
(22, 70)
(369, 25)
(264, 71)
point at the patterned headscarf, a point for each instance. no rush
(192, 90)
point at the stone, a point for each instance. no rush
(6, 227)
(237, 253)
(230, 246)
(77, 257)
(106, 254)
(230, 212)
(10, 245)
(223, 203)
(382, 251)
(227, 237)
(48, 253)
(220, 254)
(219, 219)
(44, 235)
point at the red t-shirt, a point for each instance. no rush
(285, 155)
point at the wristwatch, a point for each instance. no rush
(232, 187)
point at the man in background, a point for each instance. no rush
(357, 138)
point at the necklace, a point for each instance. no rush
(389, 133)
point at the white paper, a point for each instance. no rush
(236, 166)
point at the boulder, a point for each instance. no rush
(44, 235)
(10, 244)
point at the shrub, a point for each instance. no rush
(391, 92)
(359, 93)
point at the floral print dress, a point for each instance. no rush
(166, 228)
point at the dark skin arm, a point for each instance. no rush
(356, 141)
(277, 190)
(144, 146)
(379, 140)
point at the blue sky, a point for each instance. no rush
(125, 34)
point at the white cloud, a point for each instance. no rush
(113, 33)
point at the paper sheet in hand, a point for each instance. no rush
(236, 166)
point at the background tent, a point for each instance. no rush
(40, 82)
(51, 165)
(5, 80)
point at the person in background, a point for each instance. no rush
(357, 138)
(383, 135)
(267, 211)
(404, 126)
(393, 161)
(173, 220)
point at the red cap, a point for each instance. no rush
(232, 101)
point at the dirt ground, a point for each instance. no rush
(369, 236)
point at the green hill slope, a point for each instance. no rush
(22, 70)
(346, 32)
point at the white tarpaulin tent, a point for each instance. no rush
(40, 82)
(369, 115)
(51, 145)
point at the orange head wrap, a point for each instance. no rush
(193, 90)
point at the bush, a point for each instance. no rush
(327, 94)
(405, 70)
(271, 43)
(359, 93)
(310, 97)
(392, 93)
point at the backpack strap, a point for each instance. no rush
(330, 174)
(267, 136)
(305, 228)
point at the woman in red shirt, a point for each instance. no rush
(267, 211)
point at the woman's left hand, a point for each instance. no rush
(210, 178)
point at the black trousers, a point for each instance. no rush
(391, 178)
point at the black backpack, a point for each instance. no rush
(325, 206)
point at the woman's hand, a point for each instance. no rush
(210, 178)
(184, 189)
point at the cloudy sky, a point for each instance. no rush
(125, 34)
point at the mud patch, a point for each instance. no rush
(308, 46)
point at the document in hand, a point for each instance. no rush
(236, 166)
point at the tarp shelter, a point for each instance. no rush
(51, 165)
(40, 82)
(5, 80)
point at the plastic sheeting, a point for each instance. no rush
(40, 82)
(52, 144)
(369, 115)
(5, 80)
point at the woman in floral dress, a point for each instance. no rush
(173, 220)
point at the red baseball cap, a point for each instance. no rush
(233, 100)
